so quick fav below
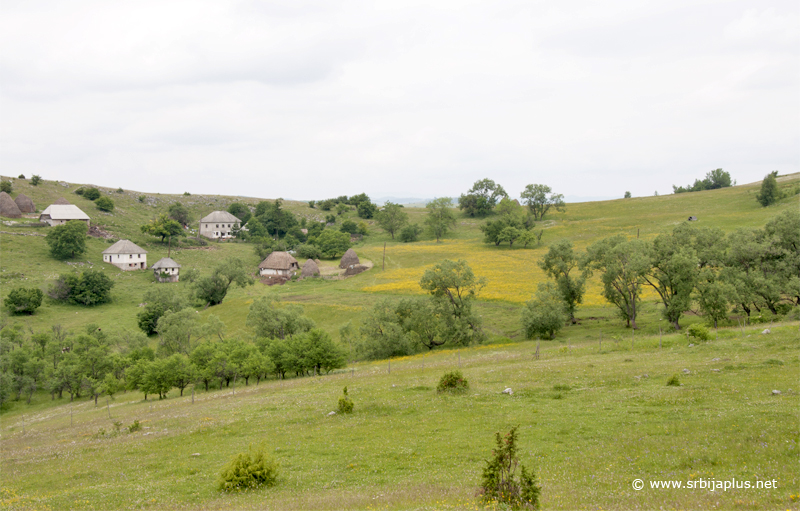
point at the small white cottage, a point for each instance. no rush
(219, 224)
(166, 270)
(126, 255)
(280, 264)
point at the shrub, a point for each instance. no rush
(120, 190)
(306, 251)
(499, 484)
(21, 176)
(141, 198)
(248, 470)
(186, 194)
(349, 227)
(6, 186)
(104, 204)
(91, 193)
(674, 381)
(545, 314)
(23, 300)
(410, 233)
(345, 403)
(36, 179)
(699, 332)
(136, 426)
(453, 382)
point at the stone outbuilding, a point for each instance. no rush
(166, 270)
(9, 208)
(349, 259)
(280, 264)
(126, 255)
(59, 214)
(25, 204)
(219, 225)
(310, 269)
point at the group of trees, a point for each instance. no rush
(689, 269)
(410, 325)
(714, 179)
(187, 351)
(361, 202)
(102, 202)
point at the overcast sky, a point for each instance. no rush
(312, 99)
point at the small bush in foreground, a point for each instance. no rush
(674, 381)
(136, 426)
(453, 382)
(23, 300)
(248, 470)
(499, 484)
(104, 204)
(698, 332)
(345, 403)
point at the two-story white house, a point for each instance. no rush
(219, 224)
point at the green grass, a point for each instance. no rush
(590, 423)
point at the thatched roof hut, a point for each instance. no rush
(61, 201)
(278, 263)
(25, 204)
(349, 259)
(9, 208)
(310, 269)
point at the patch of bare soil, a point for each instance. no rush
(97, 231)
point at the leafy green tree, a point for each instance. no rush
(392, 218)
(274, 218)
(201, 357)
(178, 331)
(349, 227)
(157, 302)
(157, 378)
(545, 314)
(163, 226)
(36, 179)
(212, 290)
(23, 300)
(769, 194)
(627, 195)
(481, 199)
(67, 240)
(717, 178)
(559, 263)
(320, 353)
(332, 243)
(440, 219)
(712, 295)
(410, 233)
(104, 204)
(180, 213)
(382, 335)
(623, 265)
(89, 288)
(673, 273)
(182, 370)
(270, 321)
(240, 211)
(341, 209)
(539, 199)
(366, 210)
(6, 186)
(454, 286)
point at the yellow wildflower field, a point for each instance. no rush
(512, 275)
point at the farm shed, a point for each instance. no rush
(166, 270)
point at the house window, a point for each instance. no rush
(217, 226)
(130, 256)
(140, 256)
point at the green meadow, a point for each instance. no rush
(594, 409)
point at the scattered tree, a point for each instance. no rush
(539, 200)
(67, 240)
(240, 211)
(104, 204)
(627, 195)
(212, 290)
(36, 179)
(769, 193)
(714, 179)
(410, 232)
(558, 263)
(91, 193)
(481, 199)
(180, 213)
(440, 219)
(332, 243)
(392, 218)
(163, 226)
(545, 314)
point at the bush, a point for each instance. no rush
(307, 251)
(23, 300)
(21, 176)
(89, 288)
(674, 381)
(248, 470)
(6, 186)
(136, 426)
(699, 332)
(186, 194)
(345, 403)
(545, 314)
(120, 190)
(453, 382)
(36, 179)
(104, 204)
(410, 233)
(349, 227)
(90, 193)
(141, 198)
(498, 483)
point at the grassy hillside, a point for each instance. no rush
(590, 423)
(591, 419)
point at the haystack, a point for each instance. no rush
(349, 259)
(310, 269)
(62, 201)
(9, 208)
(25, 204)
